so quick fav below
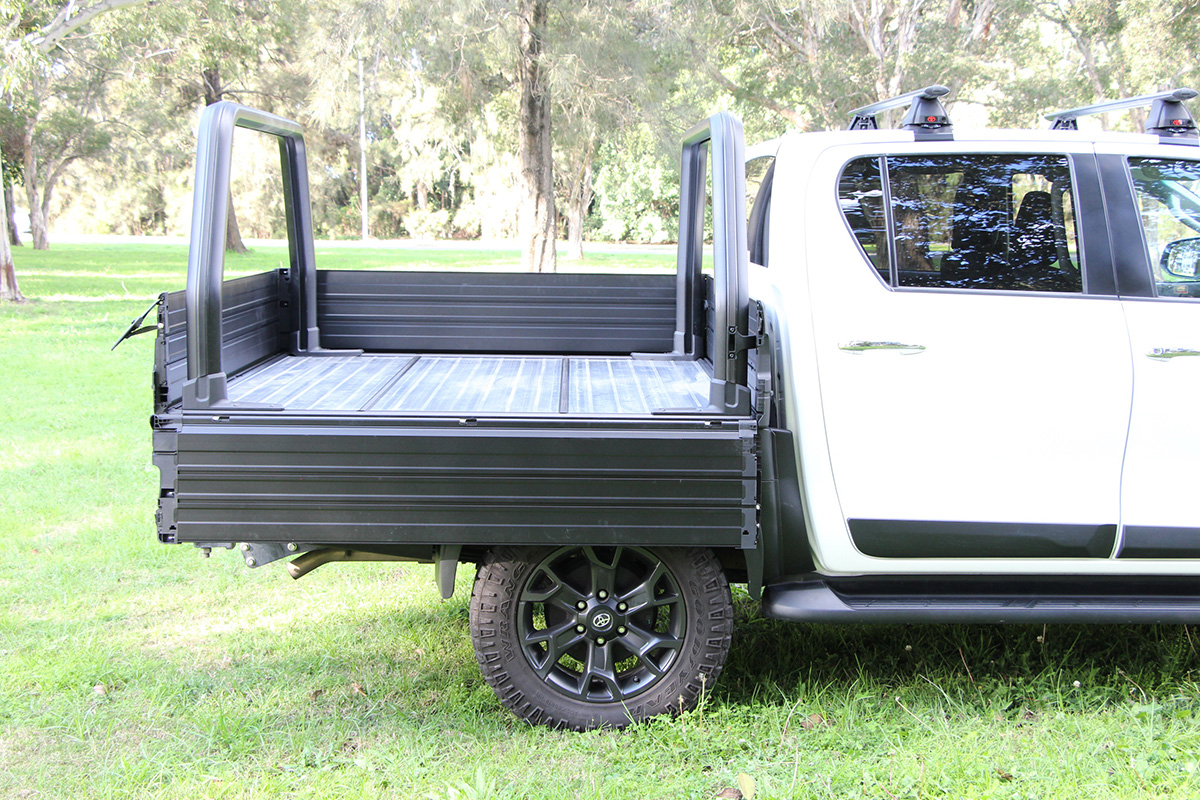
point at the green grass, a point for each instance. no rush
(133, 669)
(95, 273)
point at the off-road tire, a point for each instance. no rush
(618, 634)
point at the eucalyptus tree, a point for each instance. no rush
(213, 50)
(611, 70)
(58, 106)
(1121, 48)
(36, 35)
(364, 77)
(810, 61)
(65, 123)
(536, 219)
(11, 166)
(491, 47)
(469, 53)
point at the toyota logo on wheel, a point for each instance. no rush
(602, 621)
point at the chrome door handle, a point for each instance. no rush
(858, 346)
(1172, 352)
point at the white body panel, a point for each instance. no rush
(1164, 437)
(1017, 410)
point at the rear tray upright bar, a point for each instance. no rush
(206, 387)
(722, 132)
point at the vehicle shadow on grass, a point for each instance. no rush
(1046, 663)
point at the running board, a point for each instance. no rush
(816, 601)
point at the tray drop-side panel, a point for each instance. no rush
(682, 483)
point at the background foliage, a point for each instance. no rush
(110, 110)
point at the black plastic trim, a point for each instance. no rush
(1148, 541)
(784, 532)
(759, 226)
(1131, 259)
(885, 538)
(1096, 247)
(986, 598)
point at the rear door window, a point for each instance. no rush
(974, 221)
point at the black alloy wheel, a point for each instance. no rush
(581, 637)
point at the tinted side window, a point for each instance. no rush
(860, 194)
(984, 222)
(975, 222)
(1168, 193)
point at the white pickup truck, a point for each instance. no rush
(939, 375)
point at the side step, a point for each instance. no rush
(819, 601)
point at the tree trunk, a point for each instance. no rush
(535, 215)
(213, 92)
(14, 236)
(8, 273)
(37, 220)
(233, 237)
(578, 201)
(363, 199)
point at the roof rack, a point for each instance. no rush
(925, 115)
(1168, 117)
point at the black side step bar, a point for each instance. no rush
(817, 601)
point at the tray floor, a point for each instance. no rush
(475, 384)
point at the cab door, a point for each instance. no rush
(972, 358)
(1156, 211)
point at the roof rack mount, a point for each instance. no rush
(925, 114)
(1168, 116)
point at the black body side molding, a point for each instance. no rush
(886, 538)
(985, 598)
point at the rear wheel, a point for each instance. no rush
(580, 637)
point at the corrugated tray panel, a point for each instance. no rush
(475, 384)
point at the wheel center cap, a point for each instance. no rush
(602, 619)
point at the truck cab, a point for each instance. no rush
(982, 336)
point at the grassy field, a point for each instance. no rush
(133, 669)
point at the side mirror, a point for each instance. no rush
(1181, 258)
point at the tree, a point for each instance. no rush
(535, 147)
(1123, 48)
(12, 175)
(54, 137)
(238, 50)
(31, 31)
(473, 52)
(41, 44)
(810, 62)
(610, 72)
(41, 51)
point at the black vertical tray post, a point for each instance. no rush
(722, 132)
(205, 387)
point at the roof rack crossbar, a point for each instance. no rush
(1167, 117)
(926, 113)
